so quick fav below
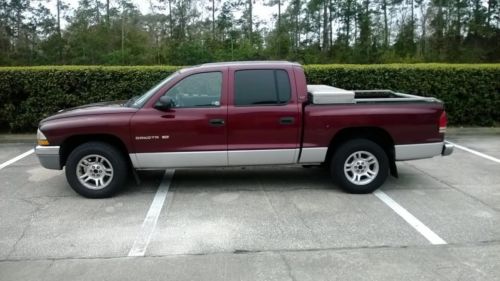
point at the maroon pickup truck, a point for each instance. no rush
(240, 114)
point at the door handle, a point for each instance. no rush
(287, 120)
(216, 122)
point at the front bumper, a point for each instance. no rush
(447, 149)
(48, 156)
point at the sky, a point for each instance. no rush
(261, 12)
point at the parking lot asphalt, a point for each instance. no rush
(258, 223)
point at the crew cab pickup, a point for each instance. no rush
(239, 114)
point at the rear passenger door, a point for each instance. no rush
(263, 117)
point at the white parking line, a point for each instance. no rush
(410, 219)
(19, 157)
(148, 226)
(480, 154)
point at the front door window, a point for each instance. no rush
(197, 90)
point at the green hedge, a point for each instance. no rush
(470, 91)
(27, 94)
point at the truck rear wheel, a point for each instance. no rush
(96, 170)
(359, 166)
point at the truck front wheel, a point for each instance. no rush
(360, 166)
(96, 170)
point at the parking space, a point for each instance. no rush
(269, 209)
(13, 150)
(257, 223)
(485, 140)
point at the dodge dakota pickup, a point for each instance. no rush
(240, 114)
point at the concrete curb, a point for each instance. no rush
(18, 138)
(473, 130)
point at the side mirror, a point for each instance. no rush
(164, 103)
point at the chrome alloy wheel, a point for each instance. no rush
(94, 171)
(361, 167)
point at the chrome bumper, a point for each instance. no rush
(48, 156)
(447, 149)
(422, 150)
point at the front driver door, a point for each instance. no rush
(190, 134)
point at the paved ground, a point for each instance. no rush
(274, 223)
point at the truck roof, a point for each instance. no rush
(267, 63)
(249, 63)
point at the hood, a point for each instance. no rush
(119, 103)
(99, 108)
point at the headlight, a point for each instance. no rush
(41, 139)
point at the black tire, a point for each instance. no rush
(114, 159)
(347, 180)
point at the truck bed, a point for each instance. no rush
(324, 94)
(408, 119)
(366, 96)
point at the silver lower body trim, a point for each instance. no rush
(418, 151)
(163, 160)
(262, 157)
(313, 155)
(48, 156)
(192, 159)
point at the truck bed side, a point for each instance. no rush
(405, 125)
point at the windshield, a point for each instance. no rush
(141, 100)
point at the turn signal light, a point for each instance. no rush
(43, 142)
(41, 139)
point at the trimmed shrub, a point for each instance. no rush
(28, 94)
(470, 91)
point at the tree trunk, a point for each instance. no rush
(279, 14)
(213, 19)
(488, 14)
(325, 26)
(330, 22)
(297, 29)
(459, 20)
(97, 14)
(250, 19)
(59, 18)
(18, 28)
(123, 36)
(412, 13)
(424, 30)
(440, 30)
(59, 35)
(355, 27)
(107, 13)
(386, 26)
(279, 28)
(170, 18)
(348, 22)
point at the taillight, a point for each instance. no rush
(443, 121)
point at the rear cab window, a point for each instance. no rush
(255, 87)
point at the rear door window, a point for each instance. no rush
(261, 87)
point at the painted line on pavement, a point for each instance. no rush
(480, 154)
(19, 157)
(148, 226)
(410, 219)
